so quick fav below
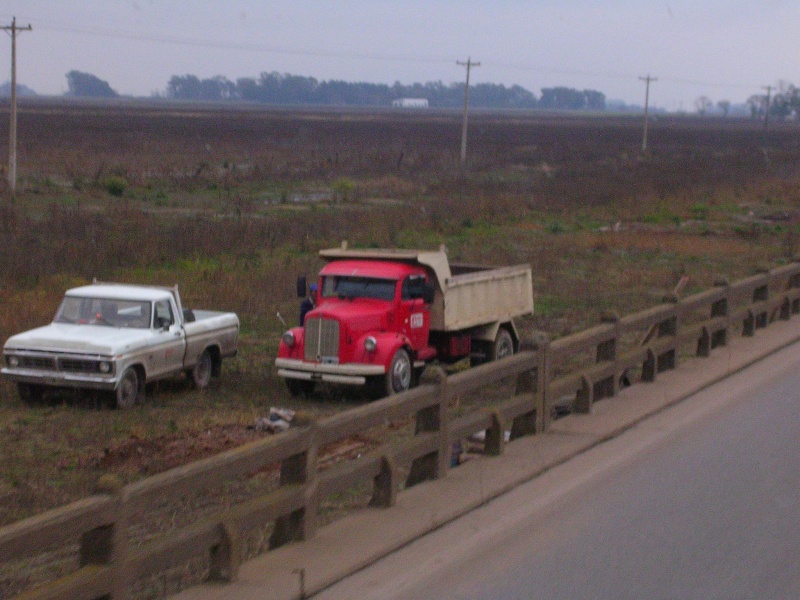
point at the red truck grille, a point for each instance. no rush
(322, 340)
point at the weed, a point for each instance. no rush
(116, 185)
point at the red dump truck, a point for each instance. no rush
(382, 315)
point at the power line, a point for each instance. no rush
(387, 57)
(247, 47)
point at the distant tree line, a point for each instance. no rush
(784, 103)
(86, 85)
(560, 98)
(277, 88)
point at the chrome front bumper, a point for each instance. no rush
(350, 374)
(58, 379)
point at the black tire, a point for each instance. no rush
(202, 371)
(502, 347)
(30, 392)
(399, 376)
(129, 390)
(300, 387)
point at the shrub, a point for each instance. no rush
(343, 189)
(699, 211)
(116, 185)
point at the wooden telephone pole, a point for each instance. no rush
(766, 112)
(647, 81)
(12, 126)
(469, 64)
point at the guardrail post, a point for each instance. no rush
(668, 327)
(607, 352)
(543, 416)
(495, 435)
(531, 382)
(583, 398)
(432, 419)
(97, 546)
(299, 469)
(109, 544)
(384, 488)
(761, 294)
(704, 343)
(225, 556)
(649, 367)
(749, 325)
(720, 309)
(792, 284)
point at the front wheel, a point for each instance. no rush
(300, 387)
(30, 392)
(399, 375)
(129, 391)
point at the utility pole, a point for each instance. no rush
(647, 81)
(766, 112)
(12, 125)
(469, 64)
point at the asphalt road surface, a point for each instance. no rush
(700, 501)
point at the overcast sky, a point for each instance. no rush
(721, 49)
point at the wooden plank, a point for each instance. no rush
(87, 583)
(211, 471)
(58, 527)
(696, 301)
(345, 424)
(583, 340)
(469, 424)
(345, 475)
(491, 373)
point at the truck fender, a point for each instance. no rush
(387, 344)
(296, 351)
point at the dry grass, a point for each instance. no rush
(233, 206)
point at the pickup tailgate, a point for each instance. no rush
(211, 328)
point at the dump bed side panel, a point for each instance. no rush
(486, 296)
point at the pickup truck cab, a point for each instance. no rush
(382, 315)
(119, 337)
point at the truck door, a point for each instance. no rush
(168, 354)
(415, 315)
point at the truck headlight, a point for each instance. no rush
(104, 367)
(370, 343)
(288, 338)
(13, 361)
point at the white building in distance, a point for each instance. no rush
(410, 103)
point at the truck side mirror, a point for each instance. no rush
(301, 286)
(428, 292)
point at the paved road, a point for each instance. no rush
(701, 501)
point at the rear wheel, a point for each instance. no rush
(201, 373)
(503, 345)
(129, 391)
(399, 375)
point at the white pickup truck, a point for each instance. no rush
(118, 337)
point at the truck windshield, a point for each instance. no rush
(104, 311)
(358, 287)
